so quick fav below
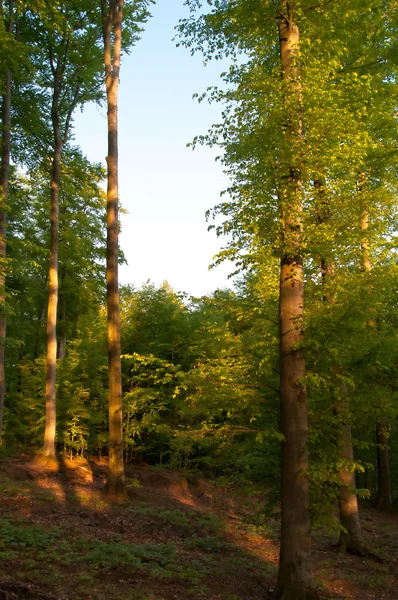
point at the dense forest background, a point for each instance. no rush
(310, 218)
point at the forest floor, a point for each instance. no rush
(170, 540)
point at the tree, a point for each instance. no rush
(81, 266)
(295, 571)
(67, 58)
(277, 136)
(295, 568)
(155, 321)
(112, 18)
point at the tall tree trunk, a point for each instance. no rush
(51, 373)
(384, 495)
(4, 174)
(295, 566)
(50, 430)
(112, 16)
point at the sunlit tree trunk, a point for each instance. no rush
(62, 108)
(61, 346)
(4, 173)
(50, 430)
(112, 16)
(295, 566)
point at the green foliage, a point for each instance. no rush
(189, 519)
(17, 536)
(114, 554)
(82, 388)
(212, 544)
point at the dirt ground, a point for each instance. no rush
(172, 539)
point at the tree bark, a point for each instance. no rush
(295, 566)
(61, 346)
(112, 16)
(4, 175)
(60, 132)
(50, 394)
(351, 539)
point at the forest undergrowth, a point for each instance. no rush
(174, 538)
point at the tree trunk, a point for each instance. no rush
(384, 496)
(295, 566)
(112, 16)
(351, 534)
(50, 430)
(49, 433)
(4, 174)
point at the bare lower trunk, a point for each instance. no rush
(295, 566)
(112, 15)
(351, 534)
(4, 173)
(50, 430)
(384, 496)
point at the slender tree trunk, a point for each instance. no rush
(351, 535)
(51, 415)
(351, 539)
(4, 174)
(295, 566)
(49, 434)
(384, 495)
(112, 16)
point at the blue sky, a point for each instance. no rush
(165, 186)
